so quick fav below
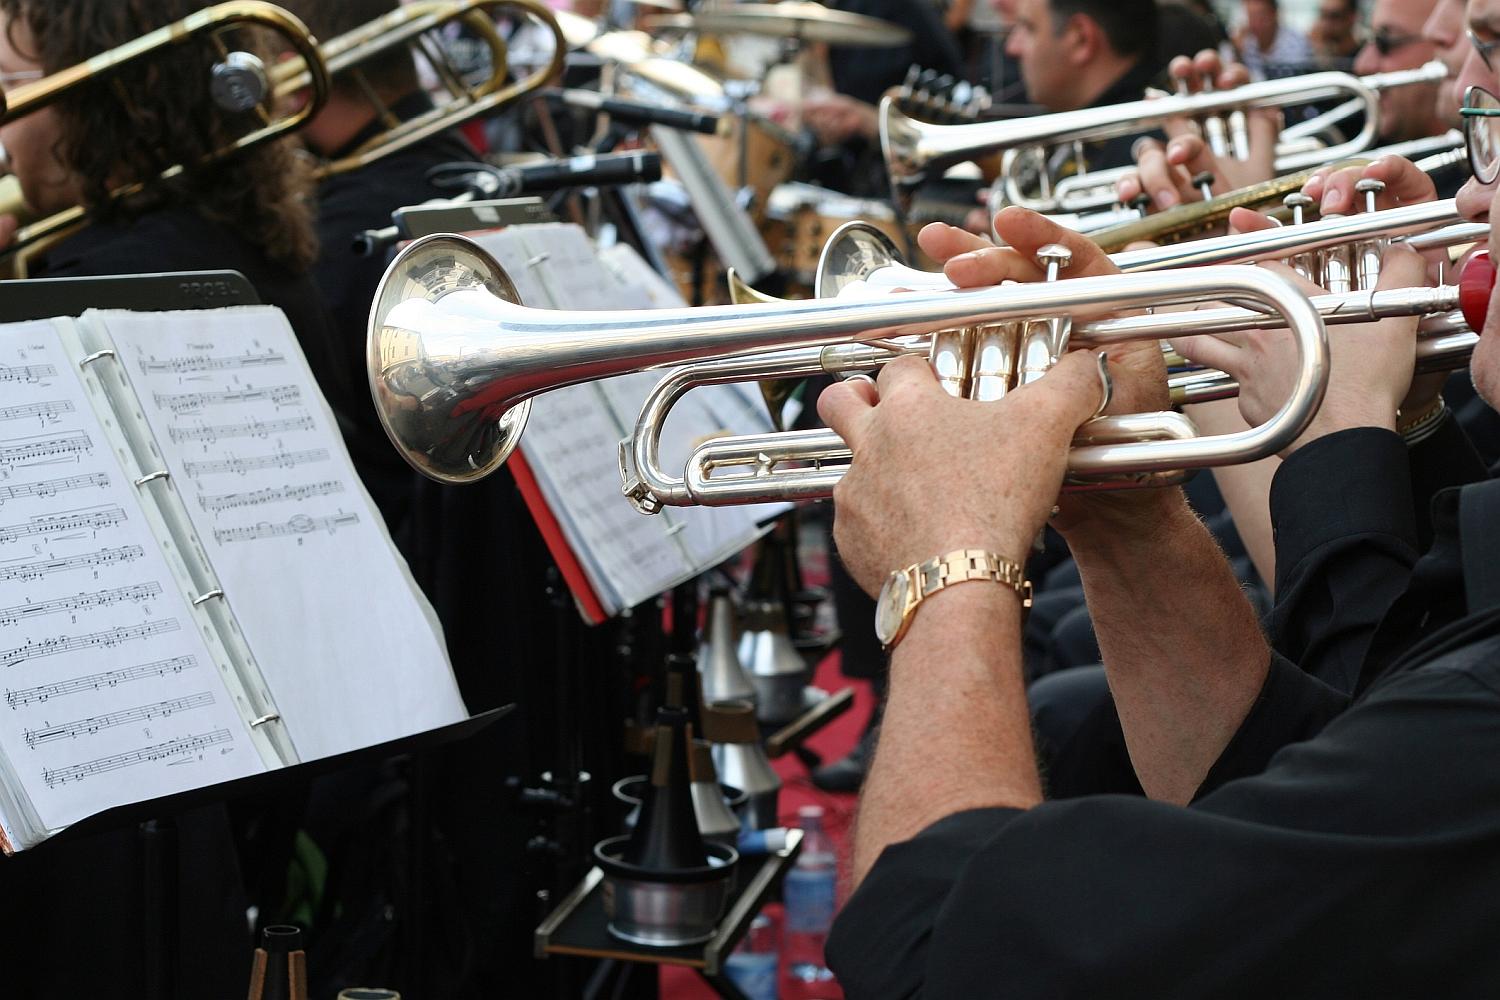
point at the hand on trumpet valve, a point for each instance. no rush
(920, 454)
(1137, 372)
(1167, 174)
(1335, 189)
(1370, 364)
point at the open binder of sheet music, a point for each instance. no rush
(571, 442)
(194, 585)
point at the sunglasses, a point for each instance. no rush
(1481, 118)
(1483, 48)
(1385, 42)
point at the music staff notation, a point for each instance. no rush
(95, 682)
(298, 525)
(80, 602)
(221, 502)
(39, 410)
(188, 402)
(52, 487)
(251, 428)
(17, 450)
(26, 373)
(279, 460)
(35, 569)
(183, 746)
(208, 363)
(107, 639)
(124, 717)
(92, 519)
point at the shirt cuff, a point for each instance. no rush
(879, 942)
(1292, 706)
(1351, 482)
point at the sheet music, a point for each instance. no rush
(348, 647)
(572, 437)
(110, 695)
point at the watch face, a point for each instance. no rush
(890, 609)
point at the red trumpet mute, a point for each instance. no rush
(1474, 286)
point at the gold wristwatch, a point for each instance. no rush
(906, 588)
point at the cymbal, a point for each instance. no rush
(800, 19)
(640, 55)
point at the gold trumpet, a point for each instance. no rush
(412, 25)
(238, 81)
(454, 360)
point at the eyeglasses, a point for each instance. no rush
(1484, 49)
(1385, 43)
(1481, 117)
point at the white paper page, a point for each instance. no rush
(572, 437)
(110, 693)
(343, 638)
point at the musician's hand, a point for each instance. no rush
(1136, 368)
(933, 473)
(1166, 173)
(1370, 366)
(1333, 187)
(8, 226)
(836, 118)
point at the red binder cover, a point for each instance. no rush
(557, 542)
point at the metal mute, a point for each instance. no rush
(716, 821)
(777, 670)
(741, 761)
(721, 673)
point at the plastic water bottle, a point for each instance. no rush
(810, 891)
(752, 964)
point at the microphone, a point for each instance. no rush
(489, 183)
(636, 167)
(636, 113)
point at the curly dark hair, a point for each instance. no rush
(264, 194)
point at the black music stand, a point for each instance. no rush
(43, 298)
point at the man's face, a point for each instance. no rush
(1405, 112)
(1035, 45)
(1260, 18)
(1445, 30)
(1335, 20)
(31, 141)
(1478, 202)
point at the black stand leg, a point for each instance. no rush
(159, 906)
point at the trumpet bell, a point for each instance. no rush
(852, 253)
(426, 397)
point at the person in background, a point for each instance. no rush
(1269, 48)
(364, 198)
(1397, 42)
(1335, 34)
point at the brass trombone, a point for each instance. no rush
(454, 359)
(238, 81)
(412, 24)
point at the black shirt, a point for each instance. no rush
(350, 203)
(866, 73)
(1336, 848)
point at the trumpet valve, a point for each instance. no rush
(1053, 258)
(950, 356)
(1368, 252)
(1142, 204)
(238, 83)
(1204, 182)
(993, 370)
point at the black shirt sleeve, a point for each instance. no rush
(1346, 541)
(1359, 863)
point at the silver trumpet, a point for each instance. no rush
(915, 150)
(454, 359)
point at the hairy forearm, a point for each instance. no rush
(1246, 489)
(1181, 645)
(956, 733)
